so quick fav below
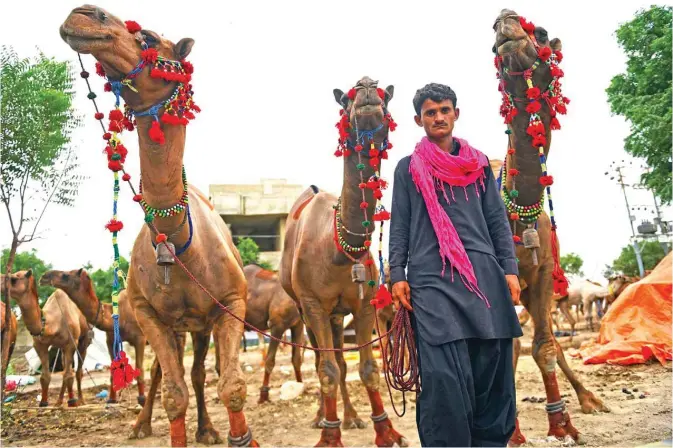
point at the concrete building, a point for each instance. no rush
(258, 211)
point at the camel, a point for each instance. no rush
(583, 294)
(516, 57)
(616, 285)
(7, 349)
(270, 308)
(317, 275)
(150, 73)
(58, 324)
(78, 286)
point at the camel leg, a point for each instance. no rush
(68, 376)
(383, 343)
(351, 418)
(174, 393)
(386, 435)
(269, 364)
(517, 437)
(143, 425)
(262, 346)
(590, 314)
(589, 402)
(544, 354)
(140, 365)
(565, 310)
(216, 343)
(45, 376)
(83, 347)
(320, 414)
(231, 387)
(298, 338)
(205, 433)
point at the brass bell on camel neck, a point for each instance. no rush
(165, 258)
(531, 240)
(359, 276)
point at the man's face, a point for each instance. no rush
(437, 118)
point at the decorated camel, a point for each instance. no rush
(78, 286)
(616, 286)
(327, 267)
(151, 75)
(7, 349)
(58, 324)
(270, 308)
(528, 71)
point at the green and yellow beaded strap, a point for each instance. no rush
(151, 212)
(342, 242)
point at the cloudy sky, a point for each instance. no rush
(264, 74)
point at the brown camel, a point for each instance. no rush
(163, 306)
(7, 349)
(78, 286)
(616, 285)
(318, 276)
(517, 52)
(58, 324)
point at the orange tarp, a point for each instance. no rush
(637, 326)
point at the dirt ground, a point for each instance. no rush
(637, 418)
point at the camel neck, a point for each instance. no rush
(352, 213)
(161, 174)
(91, 307)
(32, 314)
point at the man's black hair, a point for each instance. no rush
(435, 92)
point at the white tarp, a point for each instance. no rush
(97, 355)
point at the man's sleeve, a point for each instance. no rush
(400, 216)
(498, 225)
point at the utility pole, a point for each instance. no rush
(636, 249)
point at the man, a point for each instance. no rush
(450, 230)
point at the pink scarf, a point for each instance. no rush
(430, 169)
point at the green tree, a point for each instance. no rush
(572, 264)
(249, 251)
(651, 253)
(642, 94)
(102, 280)
(37, 160)
(30, 260)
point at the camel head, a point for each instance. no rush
(617, 284)
(22, 288)
(68, 281)
(519, 50)
(365, 105)
(118, 47)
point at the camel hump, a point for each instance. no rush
(195, 191)
(303, 200)
(258, 272)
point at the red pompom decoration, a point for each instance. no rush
(358, 148)
(107, 87)
(126, 177)
(132, 26)
(381, 93)
(374, 162)
(364, 205)
(556, 72)
(99, 115)
(533, 93)
(378, 194)
(513, 172)
(383, 215)
(116, 115)
(389, 146)
(114, 226)
(362, 185)
(514, 216)
(511, 151)
(554, 124)
(384, 155)
(347, 152)
(527, 26)
(369, 262)
(189, 68)
(115, 165)
(368, 243)
(561, 108)
(138, 197)
(156, 134)
(150, 55)
(100, 71)
(107, 136)
(382, 298)
(123, 373)
(559, 55)
(115, 126)
(544, 53)
(338, 153)
(547, 181)
(517, 239)
(161, 238)
(374, 152)
(533, 107)
(351, 94)
(539, 140)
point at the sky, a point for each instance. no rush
(264, 75)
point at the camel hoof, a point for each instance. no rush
(208, 436)
(72, 403)
(387, 436)
(591, 404)
(517, 438)
(353, 423)
(141, 400)
(330, 437)
(43, 404)
(316, 423)
(263, 397)
(561, 427)
(141, 430)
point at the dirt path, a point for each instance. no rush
(634, 421)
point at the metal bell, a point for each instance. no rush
(165, 258)
(531, 240)
(359, 276)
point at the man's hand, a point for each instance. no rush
(402, 293)
(514, 288)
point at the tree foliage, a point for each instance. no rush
(30, 260)
(102, 279)
(651, 252)
(572, 264)
(249, 251)
(643, 93)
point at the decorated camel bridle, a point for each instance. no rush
(178, 109)
(345, 148)
(528, 215)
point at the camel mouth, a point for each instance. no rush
(45, 282)
(368, 110)
(506, 45)
(79, 40)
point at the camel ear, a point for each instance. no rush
(341, 98)
(183, 48)
(541, 35)
(389, 94)
(29, 273)
(79, 273)
(555, 44)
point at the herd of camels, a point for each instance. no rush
(313, 289)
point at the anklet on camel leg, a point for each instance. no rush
(244, 440)
(379, 418)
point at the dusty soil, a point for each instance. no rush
(639, 417)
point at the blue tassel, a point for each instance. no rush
(117, 343)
